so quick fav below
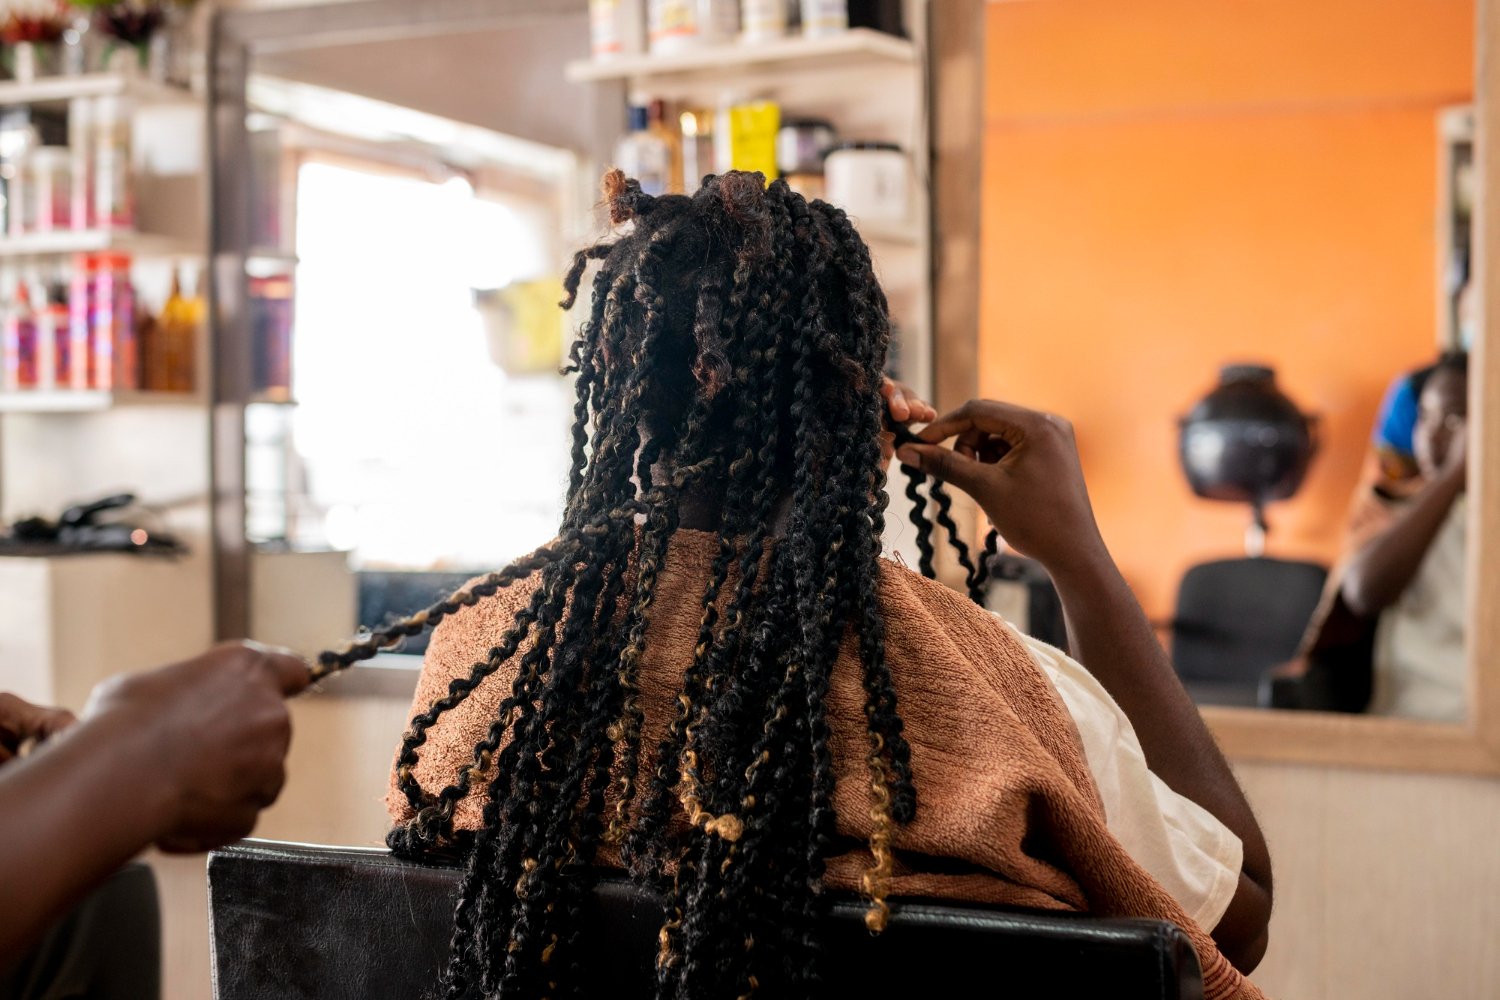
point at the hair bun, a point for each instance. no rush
(744, 195)
(624, 196)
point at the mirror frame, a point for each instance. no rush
(1317, 738)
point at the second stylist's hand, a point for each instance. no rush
(21, 723)
(1022, 468)
(217, 728)
(902, 406)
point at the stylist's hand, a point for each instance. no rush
(218, 729)
(904, 406)
(1022, 468)
(21, 722)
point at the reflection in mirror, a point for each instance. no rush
(404, 238)
(409, 423)
(1250, 292)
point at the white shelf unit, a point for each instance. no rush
(61, 446)
(870, 86)
(169, 139)
(856, 48)
(266, 262)
(65, 242)
(62, 89)
(90, 400)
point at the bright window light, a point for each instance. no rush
(418, 450)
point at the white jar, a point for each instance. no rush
(49, 173)
(869, 180)
(616, 28)
(824, 18)
(673, 26)
(684, 25)
(762, 20)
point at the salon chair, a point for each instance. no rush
(1238, 618)
(293, 921)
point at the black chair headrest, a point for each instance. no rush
(293, 921)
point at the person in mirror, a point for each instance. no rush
(183, 757)
(1407, 571)
(1389, 635)
(1393, 454)
(713, 679)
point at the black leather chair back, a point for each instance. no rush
(299, 922)
(1237, 618)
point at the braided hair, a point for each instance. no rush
(732, 356)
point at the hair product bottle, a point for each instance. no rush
(644, 155)
(114, 198)
(824, 18)
(616, 28)
(762, 20)
(670, 139)
(22, 364)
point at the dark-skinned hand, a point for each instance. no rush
(220, 730)
(22, 723)
(1021, 466)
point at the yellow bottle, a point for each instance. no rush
(671, 138)
(177, 333)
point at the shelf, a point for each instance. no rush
(265, 262)
(62, 89)
(65, 242)
(271, 255)
(888, 233)
(855, 46)
(271, 398)
(89, 400)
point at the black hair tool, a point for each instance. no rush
(80, 528)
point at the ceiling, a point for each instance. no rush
(509, 80)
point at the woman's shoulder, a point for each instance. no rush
(466, 634)
(908, 598)
(902, 585)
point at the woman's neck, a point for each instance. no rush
(701, 510)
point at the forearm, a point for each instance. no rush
(1386, 564)
(70, 814)
(1113, 639)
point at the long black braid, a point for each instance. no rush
(732, 358)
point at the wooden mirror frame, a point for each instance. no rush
(1473, 747)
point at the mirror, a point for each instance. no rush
(405, 424)
(392, 257)
(1233, 268)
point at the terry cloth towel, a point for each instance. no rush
(1007, 811)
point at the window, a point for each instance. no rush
(413, 449)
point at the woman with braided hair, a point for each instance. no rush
(712, 679)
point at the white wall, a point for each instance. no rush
(1387, 885)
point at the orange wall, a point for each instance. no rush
(1174, 184)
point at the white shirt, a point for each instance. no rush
(1421, 670)
(1191, 854)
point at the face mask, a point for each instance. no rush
(1466, 333)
